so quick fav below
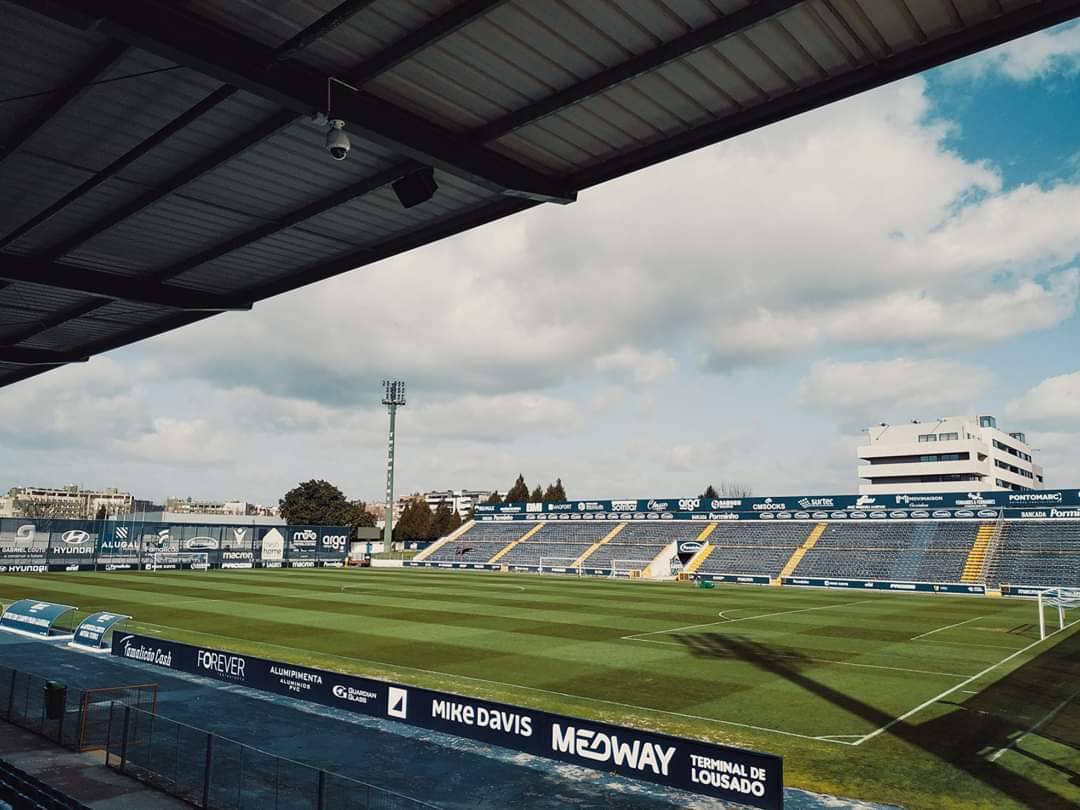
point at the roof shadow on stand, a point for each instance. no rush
(965, 737)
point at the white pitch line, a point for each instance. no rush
(637, 636)
(946, 627)
(946, 693)
(968, 644)
(825, 661)
(1047, 717)
(514, 686)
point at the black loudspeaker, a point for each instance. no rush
(416, 188)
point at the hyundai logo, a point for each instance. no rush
(75, 537)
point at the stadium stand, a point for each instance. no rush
(641, 541)
(480, 543)
(753, 548)
(21, 791)
(904, 552)
(1029, 553)
(564, 540)
(1035, 553)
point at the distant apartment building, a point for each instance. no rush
(193, 506)
(459, 500)
(953, 454)
(71, 502)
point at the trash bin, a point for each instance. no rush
(55, 700)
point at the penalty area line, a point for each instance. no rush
(946, 627)
(947, 692)
(392, 666)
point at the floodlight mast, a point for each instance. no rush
(393, 398)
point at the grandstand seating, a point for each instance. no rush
(20, 790)
(557, 540)
(905, 552)
(1028, 552)
(753, 548)
(1035, 553)
(641, 541)
(480, 543)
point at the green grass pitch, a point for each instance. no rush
(922, 701)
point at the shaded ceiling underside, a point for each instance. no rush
(159, 162)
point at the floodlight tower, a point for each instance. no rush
(393, 398)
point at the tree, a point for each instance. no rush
(710, 492)
(555, 492)
(361, 516)
(317, 503)
(536, 495)
(102, 513)
(28, 507)
(416, 523)
(493, 498)
(734, 489)
(519, 492)
(444, 521)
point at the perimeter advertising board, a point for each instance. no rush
(973, 505)
(35, 545)
(733, 774)
(886, 585)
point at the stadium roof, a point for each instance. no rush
(159, 161)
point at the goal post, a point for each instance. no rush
(632, 569)
(1063, 605)
(179, 561)
(560, 565)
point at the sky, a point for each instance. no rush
(737, 314)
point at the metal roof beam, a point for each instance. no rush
(339, 15)
(61, 98)
(196, 111)
(321, 27)
(347, 194)
(19, 356)
(186, 39)
(32, 270)
(995, 31)
(424, 37)
(241, 143)
(727, 26)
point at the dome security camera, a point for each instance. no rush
(337, 142)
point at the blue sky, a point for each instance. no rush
(910, 253)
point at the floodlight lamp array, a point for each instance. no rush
(393, 392)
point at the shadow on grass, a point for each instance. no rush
(968, 735)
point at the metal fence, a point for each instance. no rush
(22, 703)
(211, 771)
(83, 724)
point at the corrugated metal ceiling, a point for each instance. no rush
(126, 156)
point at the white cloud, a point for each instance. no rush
(74, 406)
(497, 418)
(862, 393)
(850, 226)
(1053, 403)
(1035, 56)
(642, 368)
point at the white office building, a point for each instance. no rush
(953, 454)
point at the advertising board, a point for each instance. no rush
(720, 771)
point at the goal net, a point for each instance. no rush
(629, 568)
(560, 565)
(1059, 608)
(179, 561)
